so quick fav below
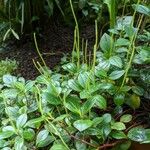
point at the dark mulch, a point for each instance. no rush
(53, 43)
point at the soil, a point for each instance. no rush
(53, 43)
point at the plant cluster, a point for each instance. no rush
(84, 104)
(7, 66)
(24, 16)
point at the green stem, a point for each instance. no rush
(55, 129)
(95, 46)
(77, 35)
(35, 41)
(132, 53)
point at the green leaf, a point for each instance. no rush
(73, 104)
(70, 67)
(105, 86)
(82, 125)
(34, 121)
(60, 118)
(85, 94)
(9, 80)
(122, 42)
(52, 99)
(8, 128)
(106, 130)
(6, 34)
(86, 107)
(107, 118)
(134, 101)
(122, 146)
(105, 42)
(28, 134)
(84, 79)
(118, 126)
(118, 135)
(147, 132)
(97, 121)
(49, 139)
(15, 34)
(12, 112)
(3, 143)
(100, 101)
(137, 134)
(138, 90)
(104, 64)
(100, 73)
(74, 85)
(126, 118)
(41, 140)
(19, 142)
(21, 120)
(58, 147)
(116, 74)
(119, 99)
(6, 134)
(116, 61)
(130, 31)
(142, 9)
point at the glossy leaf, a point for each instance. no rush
(123, 146)
(58, 147)
(34, 121)
(116, 61)
(74, 85)
(82, 125)
(28, 134)
(6, 134)
(105, 42)
(21, 120)
(122, 42)
(107, 118)
(100, 101)
(118, 135)
(119, 99)
(70, 67)
(137, 134)
(41, 138)
(52, 99)
(84, 79)
(86, 107)
(73, 104)
(142, 9)
(126, 118)
(116, 74)
(19, 142)
(138, 90)
(118, 126)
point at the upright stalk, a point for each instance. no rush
(95, 46)
(132, 46)
(77, 35)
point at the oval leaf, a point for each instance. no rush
(82, 125)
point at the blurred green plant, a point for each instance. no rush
(7, 67)
(24, 16)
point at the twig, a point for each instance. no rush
(104, 146)
(83, 141)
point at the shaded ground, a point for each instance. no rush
(53, 43)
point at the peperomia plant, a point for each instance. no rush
(85, 105)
